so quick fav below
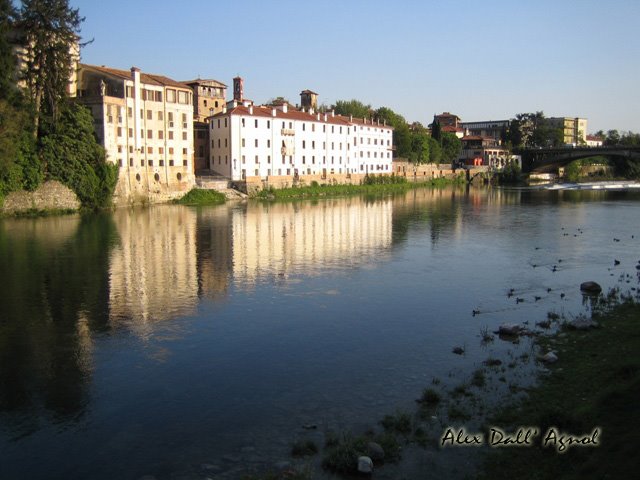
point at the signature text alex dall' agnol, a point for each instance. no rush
(521, 437)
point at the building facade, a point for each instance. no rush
(208, 99)
(145, 123)
(486, 151)
(279, 146)
(574, 129)
(496, 129)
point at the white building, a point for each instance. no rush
(145, 123)
(277, 145)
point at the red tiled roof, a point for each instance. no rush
(298, 115)
(148, 78)
(451, 129)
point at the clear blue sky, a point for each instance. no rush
(481, 60)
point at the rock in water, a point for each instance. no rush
(549, 358)
(376, 452)
(509, 329)
(365, 465)
(591, 288)
(582, 324)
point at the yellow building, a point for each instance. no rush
(145, 123)
(574, 129)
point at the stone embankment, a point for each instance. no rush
(51, 196)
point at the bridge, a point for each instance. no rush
(545, 160)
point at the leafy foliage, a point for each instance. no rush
(198, 196)
(353, 107)
(72, 155)
(49, 30)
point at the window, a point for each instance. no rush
(268, 158)
(304, 144)
(183, 98)
(313, 127)
(184, 151)
(184, 135)
(149, 115)
(242, 122)
(268, 123)
(161, 162)
(151, 163)
(303, 127)
(268, 143)
(160, 116)
(119, 131)
(225, 142)
(257, 160)
(149, 149)
(141, 114)
(256, 142)
(142, 133)
(304, 160)
(244, 160)
(129, 111)
(161, 150)
(170, 135)
(243, 142)
(160, 135)
(171, 163)
(256, 123)
(150, 134)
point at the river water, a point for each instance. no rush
(159, 340)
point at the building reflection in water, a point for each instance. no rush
(272, 241)
(153, 271)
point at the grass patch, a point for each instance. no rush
(430, 397)
(456, 414)
(479, 379)
(304, 448)
(375, 184)
(398, 423)
(596, 383)
(198, 196)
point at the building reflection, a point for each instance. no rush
(153, 271)
(276, 240)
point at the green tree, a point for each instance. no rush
(435, 151)
(353, 107)
(49, 31)
(420, 152)
(7, 58)
(451, 147)
(612, 138)
(73, 156)
(436, 130)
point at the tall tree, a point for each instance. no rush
(436, 130)
(7, 58)
(49, 32)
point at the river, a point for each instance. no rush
(155, 341)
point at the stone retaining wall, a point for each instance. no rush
(50, 196)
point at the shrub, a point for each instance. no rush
(198, 196)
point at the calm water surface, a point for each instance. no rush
(153, 341)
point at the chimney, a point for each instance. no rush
(351, 118)
(273, 112)
(325, 117)
(333, 113)
(250, 109)
(285, 107)
(311, 111)
(318, 116)
(224, 109)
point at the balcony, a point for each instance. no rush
(287, 132)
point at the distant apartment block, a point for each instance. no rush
(278, 145)
(145, 123)
(574, 129)
(209, 98)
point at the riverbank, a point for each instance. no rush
(590, 393)
(395, 185)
